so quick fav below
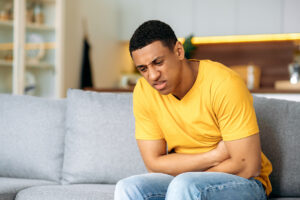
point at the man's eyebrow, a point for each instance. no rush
(153, 61)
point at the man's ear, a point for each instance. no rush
(179, 50)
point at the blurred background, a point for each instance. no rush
(48, 46)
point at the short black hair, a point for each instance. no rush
(151, 31)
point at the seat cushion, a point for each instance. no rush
(100, 146)
(9, 187)
(67, 192)
(32, 134)
(279, 124)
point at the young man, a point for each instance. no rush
(196, 126)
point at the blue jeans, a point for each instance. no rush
(189, 186)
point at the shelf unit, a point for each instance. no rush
(8, 24)
(4, 63)
(40, 65)
(37, 27)
(37, 50)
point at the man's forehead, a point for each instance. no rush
(148, 53)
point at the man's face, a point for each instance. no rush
(160, 66)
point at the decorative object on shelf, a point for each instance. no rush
(129, 80)
(34, 56)
(294, 70)
(250, 77)
(86, 68)
(188, 46)
(294, 67)
(8, 56)
(6, 12)
(29, 12)
(30, 83)
(250, 74)
(38, 13)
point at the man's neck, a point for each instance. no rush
(188, 78)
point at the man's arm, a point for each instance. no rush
(245, 158)
(156, 160)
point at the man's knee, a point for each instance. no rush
(181, 181)
(189, 185)
(182, 186)
(127, 188)
(143, 186)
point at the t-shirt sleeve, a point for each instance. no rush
(233, 106)
(146, 128)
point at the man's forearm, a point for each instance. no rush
(175, 163)
(245, 158)
(156, 159)
(237, 168)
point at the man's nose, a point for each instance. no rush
(153, 74)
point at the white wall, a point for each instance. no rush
(72, 39)
(101, 17)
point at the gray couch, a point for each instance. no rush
(79, 147)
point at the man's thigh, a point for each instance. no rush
(214, 185)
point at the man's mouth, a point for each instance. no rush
(160, 85)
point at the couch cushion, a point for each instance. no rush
(285, 198)
(279, 124)
(100, 146)
(9, 187)
(31, 137)
(67, 192)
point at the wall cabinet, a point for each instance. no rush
(31, 47)
(212, 17)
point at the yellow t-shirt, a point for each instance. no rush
(217, 107)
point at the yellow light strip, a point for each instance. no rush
(244, 38)
(28, 46)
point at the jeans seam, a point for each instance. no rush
(228, 185)
(148, 196)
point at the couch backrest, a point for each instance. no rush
(279, 124)
(32, 133)
(100, 146)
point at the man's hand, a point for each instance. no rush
(221, 152)
(156, 160)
